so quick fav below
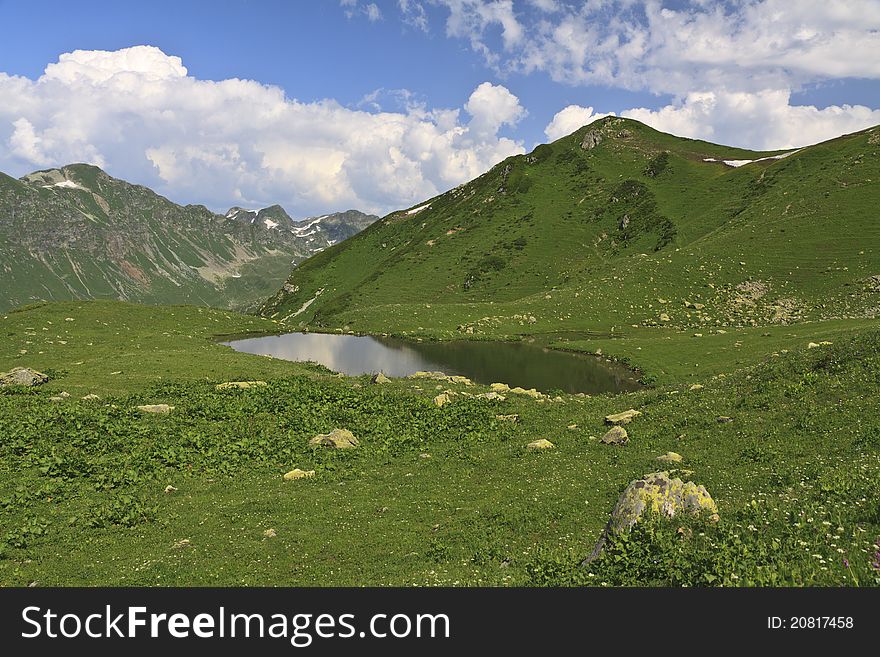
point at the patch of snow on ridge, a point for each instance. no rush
(739, 163)
(299, 230)
(270, 224)
(419, 209)
(64, 184)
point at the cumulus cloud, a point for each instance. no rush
(570, 119)
(763, 120)
(730, 68)
(139, 114)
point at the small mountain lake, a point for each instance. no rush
(513, 363)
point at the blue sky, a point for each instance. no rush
(762, 74)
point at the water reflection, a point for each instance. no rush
(516, 364)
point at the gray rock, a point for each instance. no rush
(23, 376)
(616, 436)
(655, 493)
(592, 139)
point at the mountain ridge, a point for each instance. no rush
(77, 232)
(594, 230)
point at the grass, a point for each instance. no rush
(433, 496)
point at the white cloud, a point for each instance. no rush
(730, 67)
(372, 12)
(137, 113)
(763, 120)
(643, 45)
(491, 107)
(570, 119)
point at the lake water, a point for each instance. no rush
(513, 363)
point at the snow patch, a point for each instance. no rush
(739, 163)
(270, 224)
(419, 209)
(299, 230)
(64, 184)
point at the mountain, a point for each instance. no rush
(614, 228)
(76, 233)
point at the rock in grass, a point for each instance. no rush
(492, 396)
(659, 494)
(242, 385)
(90, 397)
(723, 419)
(270, 533)
(542, 443)
(379, 378)
(441, 399)
(499, 387)
(696, 386)
(513, 417)
(671, 457)
(622, 418)
(615, 436)
(337, 439)
(22, 376)
(155, 408)
(296, 473)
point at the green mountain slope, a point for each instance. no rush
(611, 229)
(76, 233)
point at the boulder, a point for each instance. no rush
(531, 392)
(337, 439)
(296, 473)
(616, 436)
(379, 378)
(441, 399)
(695, 387)
(90, 397)
(655, 493)
(592, 139)
(155, 408)
(622, 418)
(671, 457)
(542, 443)
(22, 376)
(242, 385)
(508, 418)
(500, 387)
(492, 396)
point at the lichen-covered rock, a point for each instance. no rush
(513, 417)
(671, 457)
(659, 493)
(499, 387)
(379, 378)
(494, 396)
(655, 493)
(155, 408)
(531, 392)
(615, 436)
(541, 443)
(22, 376)
(337, 439)
(296, 473)
(622, 418)
(242, 385)
(441, 399)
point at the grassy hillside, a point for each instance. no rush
(432, 495)
(641, 231)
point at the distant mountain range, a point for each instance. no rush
(78, 233)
